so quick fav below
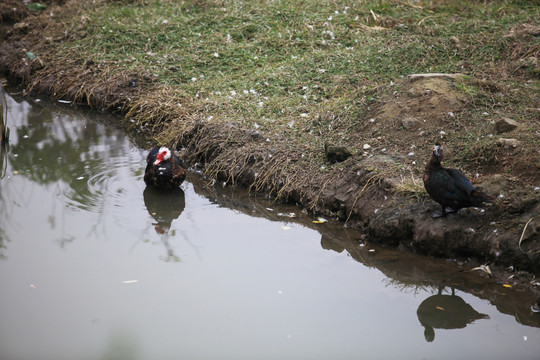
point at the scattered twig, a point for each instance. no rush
(484, 268)
(523, 234)
(373, 178)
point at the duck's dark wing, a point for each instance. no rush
(447, 187)
(464, 190)
(150, 175)
(460, 181)
(178, 172)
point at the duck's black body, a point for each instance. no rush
(164, 170)
(450, 187)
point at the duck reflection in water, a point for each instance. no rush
(445, 312)
(164, 207)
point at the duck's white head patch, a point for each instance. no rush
(163, 154)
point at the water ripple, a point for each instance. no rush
(106, 184)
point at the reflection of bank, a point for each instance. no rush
(4, 150)
(445, 312)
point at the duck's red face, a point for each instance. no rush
(162, 155)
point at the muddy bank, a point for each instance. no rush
(364, 194)
(375, 188)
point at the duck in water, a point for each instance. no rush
(450, 187)
(164, 170)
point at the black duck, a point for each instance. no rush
(164, 170)
(450, 187)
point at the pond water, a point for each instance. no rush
(95, 266)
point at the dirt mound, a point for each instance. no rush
(429, 108)
(425, 103)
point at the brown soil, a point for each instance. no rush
(377, 189)
(12, 10)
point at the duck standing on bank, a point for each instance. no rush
(450, 187)
(164, 170)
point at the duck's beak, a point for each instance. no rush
(438, 150)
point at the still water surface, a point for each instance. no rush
(95, 266)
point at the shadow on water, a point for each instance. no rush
(4, 150)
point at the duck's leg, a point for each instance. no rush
(438, 214)
(535, 308)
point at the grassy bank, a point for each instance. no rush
(254, 90)
(279, 65)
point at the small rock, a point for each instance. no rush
(409, 123)
(254, 135)
(455, 41)
(505, 125)
(366, 147)
(21, 27)
(514, 143)
(415, 92)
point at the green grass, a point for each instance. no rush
(292, 52)
(279, 65)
